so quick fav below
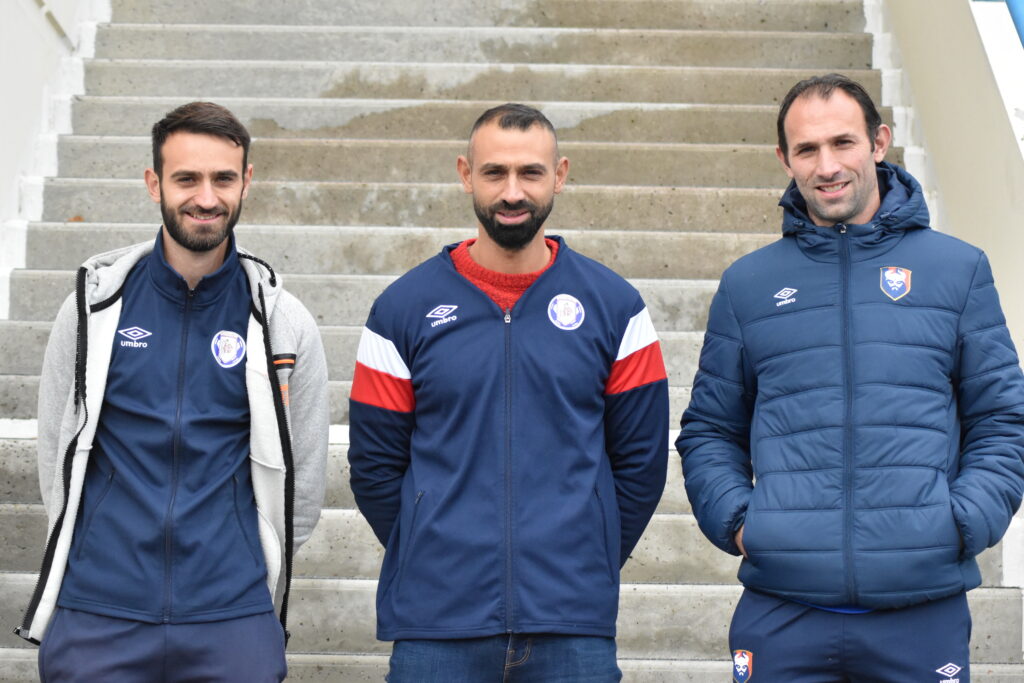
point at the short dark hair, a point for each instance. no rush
(204, 118)
(513, 115)
(823, 87)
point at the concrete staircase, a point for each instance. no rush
(666, 109)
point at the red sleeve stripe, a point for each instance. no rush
(380, 389)
(379, 353)
(639, 333)
(637, 369)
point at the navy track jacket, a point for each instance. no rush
(508, 460)
(864, 377)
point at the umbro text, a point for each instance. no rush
(444, 320)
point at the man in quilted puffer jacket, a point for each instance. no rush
(856, 428)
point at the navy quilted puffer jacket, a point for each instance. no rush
(858, 408)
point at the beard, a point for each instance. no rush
(512, 237)
(205, 239)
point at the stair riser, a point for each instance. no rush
(779, 15)
(434, 162)
(580, 207)
(490, 45)
(192, 80)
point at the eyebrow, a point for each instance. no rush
(522, 169)
(229, 173)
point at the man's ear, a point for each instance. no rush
(246, 181)
(781, 156)
(883, 138)
(465, 174)
(561, 174)
(152, 184)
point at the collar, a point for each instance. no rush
(209, 288)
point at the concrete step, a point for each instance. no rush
(445, 119)
(392, 251)
(216, 79)
(19, 477)
(656, 621)
(27, 341)
(814, 50)
(433, 161)
(594, 207)
(19, 395)
(679, 305)
(672, 550)
(754, 15)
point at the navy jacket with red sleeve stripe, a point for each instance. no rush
(508, 460)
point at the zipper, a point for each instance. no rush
(845, 267)
(81, 353)
(509, 608)
(284, 432)
(175, 453)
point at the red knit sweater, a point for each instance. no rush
(503, 288)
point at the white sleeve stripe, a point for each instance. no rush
(639, 333)
(379, 353)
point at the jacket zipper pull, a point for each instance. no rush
(842, 229)
(508, 315)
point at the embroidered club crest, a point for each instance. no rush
(895, 282)
(566, 312)
(228, 348)
(742, 665)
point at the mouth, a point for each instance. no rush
(833, 189)
(512, 217)
(203, 217)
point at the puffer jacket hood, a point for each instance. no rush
(902, 209)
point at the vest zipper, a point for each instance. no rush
(845, 268)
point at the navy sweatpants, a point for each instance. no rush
(778, 640)
(80, 647)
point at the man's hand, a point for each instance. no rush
(739, 543)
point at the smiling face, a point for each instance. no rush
(513, 176)
(200, 189)
(832, 159)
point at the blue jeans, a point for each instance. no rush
(521, 658)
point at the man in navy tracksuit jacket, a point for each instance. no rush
(860, 372)
(508, 420)
(182, 439)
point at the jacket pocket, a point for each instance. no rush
(241, 523)
(604, 536)
(403, 549)
(87, 523)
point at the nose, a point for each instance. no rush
(205, 197)
(828, 164)
(513, 190)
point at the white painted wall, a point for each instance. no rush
(42, 43)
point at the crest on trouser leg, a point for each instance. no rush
(742, 665)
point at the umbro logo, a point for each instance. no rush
(949, 670)
(786, 296)
(134, 336)
(443, 314)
